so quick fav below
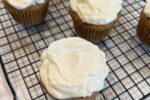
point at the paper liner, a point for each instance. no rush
(92, 97)
(89, 31)
(143, 28)
(30, 16)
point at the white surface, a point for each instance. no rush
(99, 12)
(73, 67)
(5, 92)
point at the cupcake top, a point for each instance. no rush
(23, 4)
(147, 8)
(98, 12)
(73, 67)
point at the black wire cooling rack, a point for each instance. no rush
(127, 57)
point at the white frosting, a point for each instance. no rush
(23, 4)
(73, 67)
(99, 12)
(147, 8)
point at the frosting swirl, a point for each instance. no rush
(98, 12)
(73, 67)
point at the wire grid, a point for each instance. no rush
(127, 58)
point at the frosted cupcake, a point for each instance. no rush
(94, 19)
(143, 28)
(73, 68)
(28, 12)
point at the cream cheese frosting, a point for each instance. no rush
(23, 4)
(73, 67)
(98, 12)
(147, 8)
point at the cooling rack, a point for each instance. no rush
(127, 57)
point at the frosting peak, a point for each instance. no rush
(74, 67)
(99, 12)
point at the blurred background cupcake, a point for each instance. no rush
(73, 68)
(28, 12)
(143, 28)
(94, 19)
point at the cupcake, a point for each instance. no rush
(143, 28)
(73, 68)
(94, 19)
(28, 12)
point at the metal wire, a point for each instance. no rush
(127, 57)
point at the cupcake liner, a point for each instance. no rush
(30, 16)
(89, 31)
(92, 97)
(143, 28)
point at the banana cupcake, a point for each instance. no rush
(28, 12)
(143, 28)
(73, 68)
(94, 19)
